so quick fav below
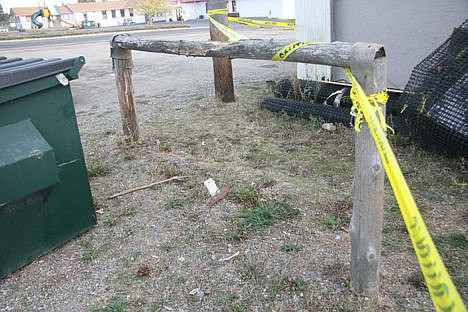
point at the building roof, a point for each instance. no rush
(101, 6)
(26, 11)
(88, 7)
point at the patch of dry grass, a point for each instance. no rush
(285, 218)
(268, 159)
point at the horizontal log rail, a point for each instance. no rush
(368, 63)
(335, 53)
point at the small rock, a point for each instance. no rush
(329, 127)
(197, 292)
(144, 270)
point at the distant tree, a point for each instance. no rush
(151, 8)
(4, 17)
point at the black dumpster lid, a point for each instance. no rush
(14, 71)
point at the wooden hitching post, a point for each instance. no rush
(123, 64)
(366, 222)
(224, 85)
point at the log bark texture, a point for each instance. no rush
(366, 222)
(222, 67)
(334, 53)
(123, 64)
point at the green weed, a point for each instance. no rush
(198, 97)
(170, 171)
(289, 248)
(98, 170)
(252, 272)
(91, 252)
(174, 203)
(167, 247)
(224, 298)
(416, 279)
(259, 217)
(127, 155)
(116, 304)
(116, 219)
(248, 196)
(287, 283)
(332, 222)
(315, 123)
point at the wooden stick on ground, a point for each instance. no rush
(223, 193)
(146, 186)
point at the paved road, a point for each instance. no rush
(196, 30)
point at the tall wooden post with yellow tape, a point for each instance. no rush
(368, 186)
(222, 67)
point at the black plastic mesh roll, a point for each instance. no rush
(303, 109)
(304, 98)
(434, 104)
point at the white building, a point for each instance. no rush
(20, 18)
(104, 14)
(284, 9)
(189, 9)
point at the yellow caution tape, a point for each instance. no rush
(262, 23)
(374, 101)
(282, 54)
(455, 182)
(218, 11)
(404, 108)
(443, 292)
(228, 32)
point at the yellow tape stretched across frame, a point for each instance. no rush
(228, 32)
(282, 54)
(262, 23)
(443, 292)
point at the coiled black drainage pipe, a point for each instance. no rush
(307, 109)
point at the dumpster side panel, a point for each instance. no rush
(42, 221)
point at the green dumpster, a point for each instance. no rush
(45, 198)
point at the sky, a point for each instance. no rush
(7, 4)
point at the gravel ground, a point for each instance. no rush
(165, 248)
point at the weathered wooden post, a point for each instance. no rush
(224, 85)
(123, 64)
(366, 222)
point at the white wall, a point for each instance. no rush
(260, 8)
(313, 23)
(289, 9)
(409, 30)
(193, 10)
(23, 23)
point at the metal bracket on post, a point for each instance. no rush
(122, 65)
(118, 53)
(369, 65)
